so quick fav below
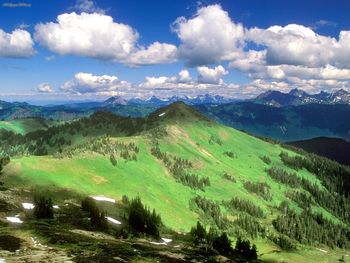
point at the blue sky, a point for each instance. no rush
(235, 48)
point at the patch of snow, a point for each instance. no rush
(55, 206)
(166, 240)
(177, 246)
(114, 221)
(324, 251)
(28, 206)
(158, 243)
(14, 219)
(2, 260)
(162, 114)
(102, 198)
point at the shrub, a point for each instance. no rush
(113, 160)
(228, 177)
(229, 154)
(98, 219)
(198, 234)
(43, 208)
(265, 159)
(261, 189)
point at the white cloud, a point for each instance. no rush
(251, 61)
(211, 75)
(44, 88)
(330, 72)
(300, 45)
(209, 37)
(88, 83)
(99, 36)
(18, 44)
(156, 53)
(154, 82)
(184, 76)
(87, 6)
(182, 80)
(91, 35)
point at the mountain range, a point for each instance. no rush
(299, 97)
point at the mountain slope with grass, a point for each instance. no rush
(23, 126)
(293, 206)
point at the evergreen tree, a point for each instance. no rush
(43, 207)
(223, 245)
(199, 234)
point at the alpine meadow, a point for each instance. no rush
(187, 131)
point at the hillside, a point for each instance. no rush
(23, 126)
(333, 148)
(290, 123)
(187, 168)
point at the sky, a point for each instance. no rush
(90, 50)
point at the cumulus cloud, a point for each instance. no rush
(153, 82)
(156, 53)
(209, 37)
(300, 45)
(184, 84)
(184, 76)
(183, 80)
(250, 61)
(17, 44)
(211, 75)
(99, 36)
(88, 83)
(91, 35)
(44, 88)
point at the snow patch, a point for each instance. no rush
(162, 114)
(2, 260)
(158, 243)
(28, 206)
(322, 250)
(14, 219)
(102, 198)
(55, 206)
(112, 220)
(166, 240)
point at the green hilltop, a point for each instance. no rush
(191, 169)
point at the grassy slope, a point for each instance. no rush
(93, 174)
(24, 126)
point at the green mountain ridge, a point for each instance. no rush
(190, 169)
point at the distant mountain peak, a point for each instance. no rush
(299, 97)
(341, 92)
(115, 100)
(298, 92)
